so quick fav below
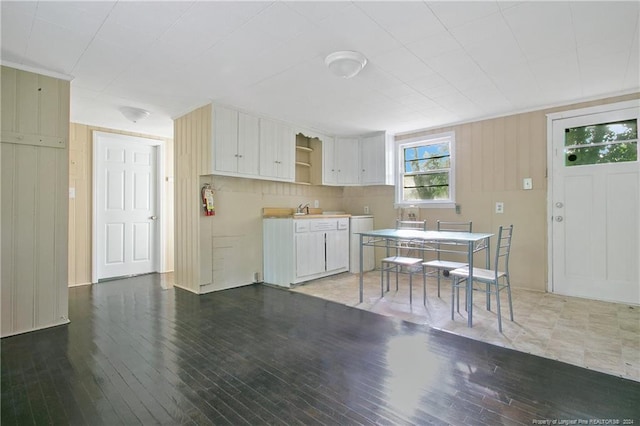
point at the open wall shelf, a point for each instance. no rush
(308, 160)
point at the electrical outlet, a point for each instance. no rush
(499, 207)
(366, 209)
(458, 209)
(316, 204)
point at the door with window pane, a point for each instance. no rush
(596, 206)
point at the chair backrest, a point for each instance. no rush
(503, 248)
(411, 224)
(451, 247)
(411, 248)
(454, 226)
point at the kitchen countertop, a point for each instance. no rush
(320, 216)
(306, 216)
(288, 213)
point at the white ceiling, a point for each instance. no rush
(430, 63)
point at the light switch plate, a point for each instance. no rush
(527, 183)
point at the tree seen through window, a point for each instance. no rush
(602, 143)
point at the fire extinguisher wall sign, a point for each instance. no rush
(207, 200)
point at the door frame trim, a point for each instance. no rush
(551, 117)
(160, 262)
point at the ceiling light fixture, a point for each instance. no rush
(134, 114)
(346, 63)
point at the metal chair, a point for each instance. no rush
(405, 257)
(442, 267)
(496, 279)
(420, 225)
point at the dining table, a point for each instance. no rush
(427, 241)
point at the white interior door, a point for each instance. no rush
(126, 206)
(595, 206)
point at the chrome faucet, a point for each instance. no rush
(301, 208)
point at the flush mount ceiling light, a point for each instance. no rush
(345, 64)
(134, 114)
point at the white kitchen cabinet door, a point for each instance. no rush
(329, 168)
(372, 160)
(277, 150)
(309, 254)
(347, 155)
(225, 139)
(248, 140)
(337, 246)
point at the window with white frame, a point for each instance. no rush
(426, 172)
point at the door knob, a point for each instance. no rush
(153, 217)
(559, 218)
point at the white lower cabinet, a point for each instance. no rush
(310, 253)
(298, 250)
(337, 249)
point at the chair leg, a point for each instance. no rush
(497, 284)
(388, 279)
(509, 294)
(454, 283)
(397, 272)
(424, 286)
(410, 288)
(488, 296)
(382, 281)
(438, 273)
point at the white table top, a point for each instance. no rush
(411, 234)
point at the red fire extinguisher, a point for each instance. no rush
(207, 200)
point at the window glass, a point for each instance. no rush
(427, 157)
(426, 170)
(601, 143)
(432, 186)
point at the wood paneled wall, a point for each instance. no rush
(34, 201)
(192, 158)
(80, 207)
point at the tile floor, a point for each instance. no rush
(597, 335)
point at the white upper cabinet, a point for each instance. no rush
(225, 139)
(248, 139)
(341, 159)
(364, 160)
(235, 142)
(347, 161)
(246, 145)
(329, 170)
(277, 150)
(376, 159)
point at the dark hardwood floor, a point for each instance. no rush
(137, 354)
